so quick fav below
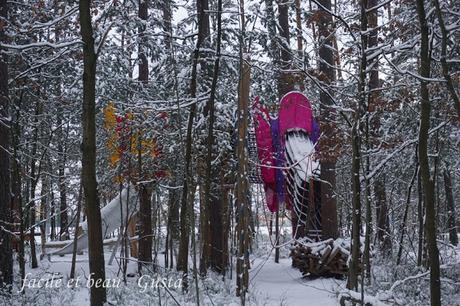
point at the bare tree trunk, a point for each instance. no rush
(444, 64)
(76, 234)
(242, 187)
(17, 196)
(271, 29)
(383, 221)
(242, 190)
(298, 19)
(34, 176)
(186, 206)
(285, 83)
(64, 232)
(173, 226)
(212, 218)
(427, 180)
(146, 230)
(59, 8)
(44, 211)
(225, 224)
(372, 99)
(182, 259)
(95, 246)
(329, 141)
(145, 192)
(421, 223)
(167, 25)
(406, 211)
(205, 210)
(356, 212)
(354, 267)
(450, 205)
(6, 259)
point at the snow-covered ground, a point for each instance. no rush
(280, 284)
(270, 284)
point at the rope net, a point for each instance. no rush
(302, 187)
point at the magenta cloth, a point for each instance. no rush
(295, 113)
(264, 142)
(265, 153)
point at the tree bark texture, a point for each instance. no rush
(186, 203)
(95, 246)
(355, 261)
(6, 258)
(329, 142)
(450, 205)
(213, 215)
(427, 180)
(145, 192)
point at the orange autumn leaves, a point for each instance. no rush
(124, 137)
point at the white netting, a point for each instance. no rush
(303, 190)
(254, 169)
(301, 171)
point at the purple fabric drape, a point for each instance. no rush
(279, 160)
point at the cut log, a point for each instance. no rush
(325, 258)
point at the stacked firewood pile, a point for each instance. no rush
(324, 258)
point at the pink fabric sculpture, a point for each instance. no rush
(295, 113)
(265, 152)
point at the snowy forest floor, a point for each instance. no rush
(270, 283)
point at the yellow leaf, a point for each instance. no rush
(114, 158)
(110, 119)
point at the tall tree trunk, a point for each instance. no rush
(328, 114)
(421, 223)
(44, 203)
(213, 217)
(34, 176)
(444, 64)
(225, 222)
(146, 230)
(173, 195)
(17, 196)
(298, 19)
(271, 29)
(173, 226)
(95, 246)
(76, 234)
(450, 205)
(6, 259)
(427, 180)
(383, 220)
(242, 189)
(406, 212)
(167, 25)
(205, 210)
(354, 268)
(285, 83)
(186, 204)
(145, 192)
(242, 264)
(64, 232)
